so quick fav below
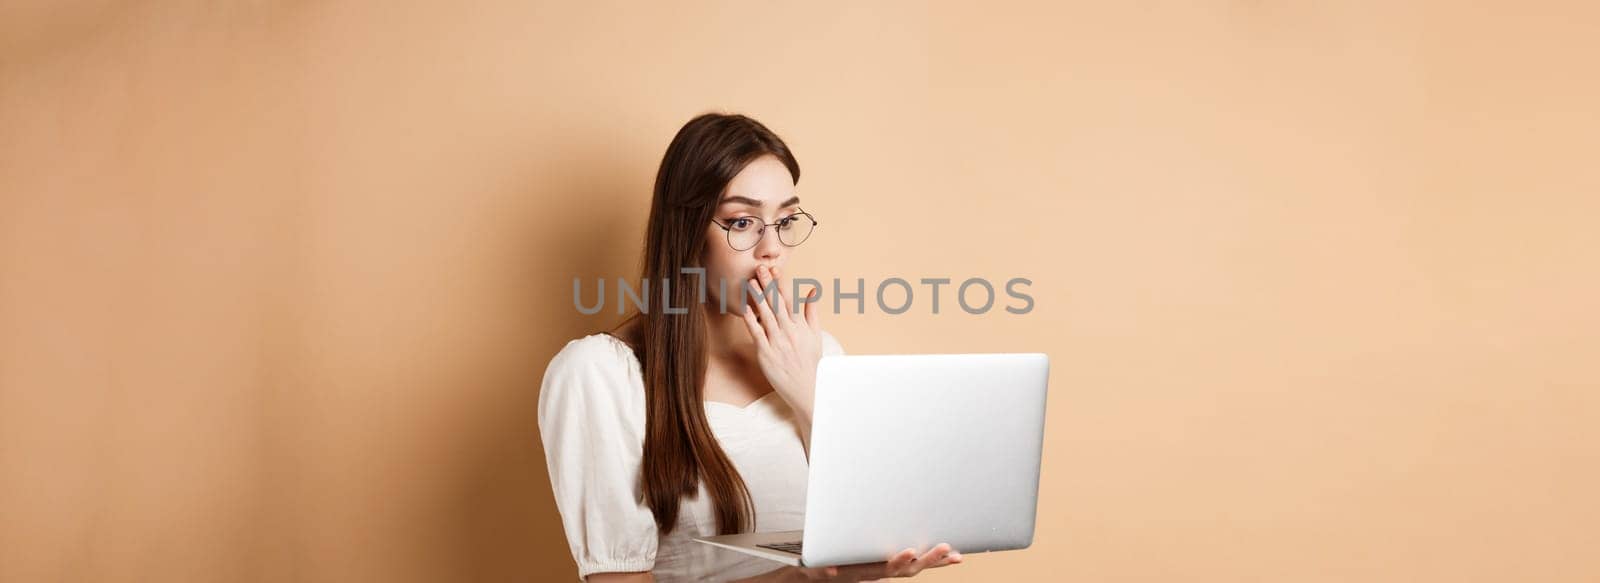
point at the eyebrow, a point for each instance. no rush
(793, 200)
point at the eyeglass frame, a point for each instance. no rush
(763, 232)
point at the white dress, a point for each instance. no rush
(591, 418)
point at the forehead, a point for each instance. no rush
(765, 179)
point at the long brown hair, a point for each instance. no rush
(680, 450)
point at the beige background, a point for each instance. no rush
(278, 281)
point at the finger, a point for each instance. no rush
(796, 311)
(754, 327)
(764, 281)
(769, 322)
(901, 562)
(949, 559)
(933, 558)
(812, 319)
(782, 304)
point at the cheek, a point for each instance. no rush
(724, 263)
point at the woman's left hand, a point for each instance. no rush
(906, 563)
(788, 346)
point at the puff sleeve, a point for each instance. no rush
(591, 420)
(830, 345)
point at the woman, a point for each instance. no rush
(692, 417)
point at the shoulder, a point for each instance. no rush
(598, 350)
(594, 368)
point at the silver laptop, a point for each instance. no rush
(909, 451)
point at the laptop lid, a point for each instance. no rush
(918, 449)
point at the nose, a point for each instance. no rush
(769, 247)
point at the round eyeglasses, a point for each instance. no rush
(745, 232)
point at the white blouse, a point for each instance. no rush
(591, 418)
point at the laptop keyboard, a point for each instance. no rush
(792, 548)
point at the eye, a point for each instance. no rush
(786, 222)
(741, 223)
